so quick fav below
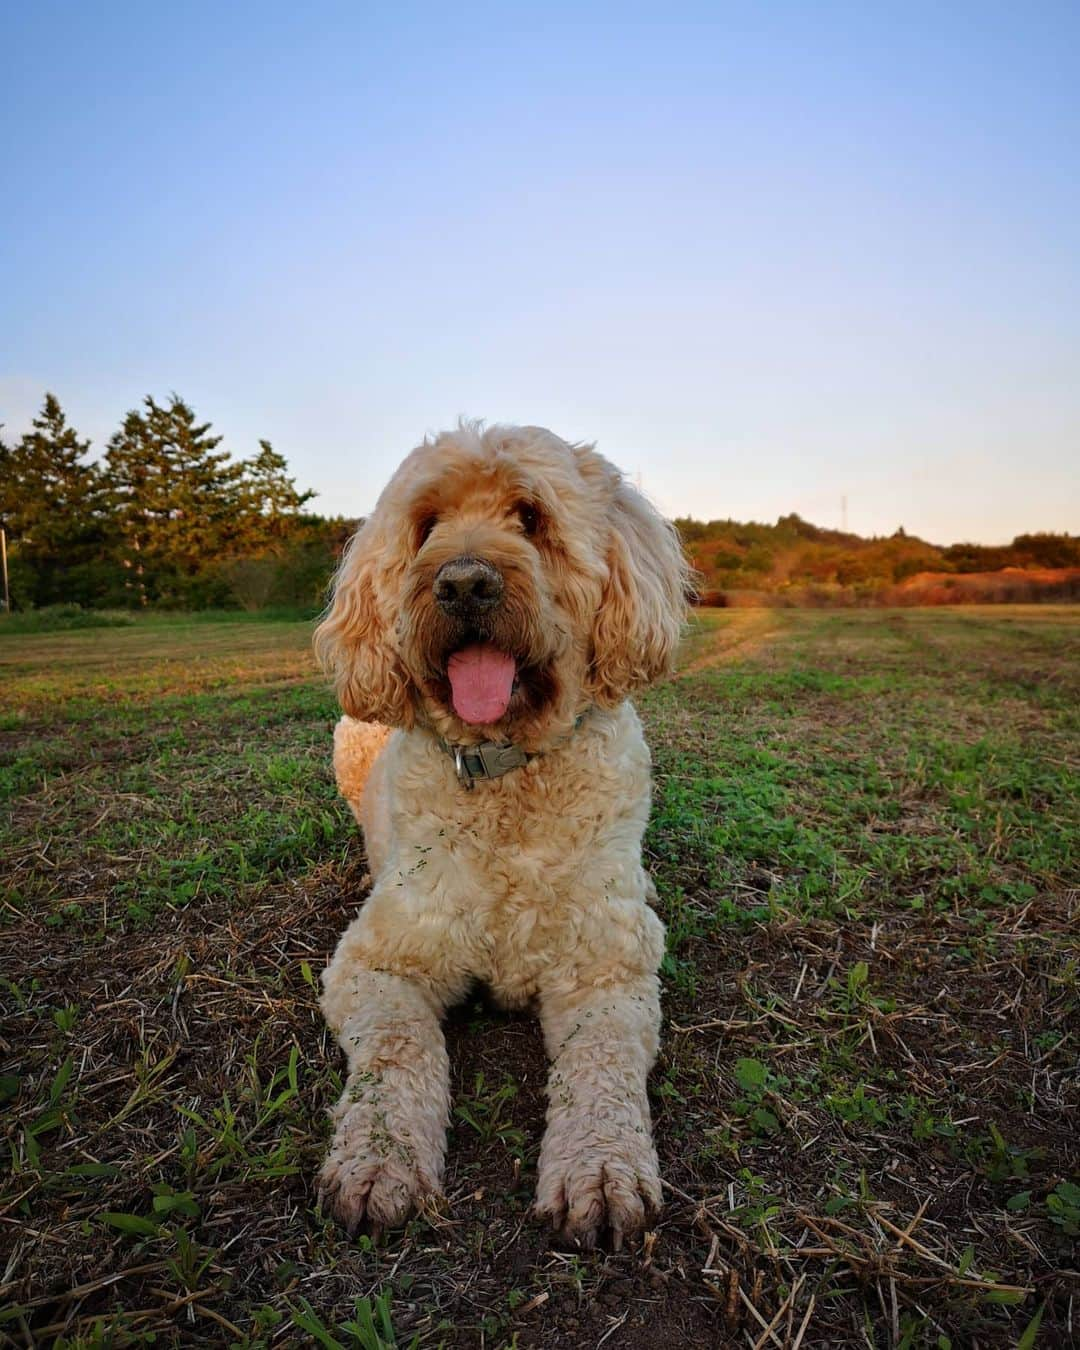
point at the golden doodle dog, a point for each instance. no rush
(507, 594)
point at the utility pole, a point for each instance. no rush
(3, 554)
(843, 513)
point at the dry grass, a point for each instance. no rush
(865, 841)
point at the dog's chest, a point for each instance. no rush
(527, 840)
(516, 870)
(514, 867)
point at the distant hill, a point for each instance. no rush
(1014, 585)
(796, 562)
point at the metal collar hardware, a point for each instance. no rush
(487, 760)
(491, 760)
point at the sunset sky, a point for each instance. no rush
(766, 255)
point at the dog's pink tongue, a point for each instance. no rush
(481, 680)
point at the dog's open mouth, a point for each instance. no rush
(481, 682)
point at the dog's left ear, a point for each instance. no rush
(637, 626)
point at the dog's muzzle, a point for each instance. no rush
(467, 587)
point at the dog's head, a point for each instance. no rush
(505, 582)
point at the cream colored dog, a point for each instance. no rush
(507, 594)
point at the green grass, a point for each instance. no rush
(57, 618)
(54, 618)
(865, 839)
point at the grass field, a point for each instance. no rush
(867, 849)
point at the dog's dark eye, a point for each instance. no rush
(529, 517)
(424, 528)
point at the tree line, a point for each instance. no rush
(165, 518)
(168, 518)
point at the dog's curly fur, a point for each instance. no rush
(532, 882)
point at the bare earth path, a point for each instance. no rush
(723, 637)
(866, 844)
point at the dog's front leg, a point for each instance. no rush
(390, 1140)
(598, 1168)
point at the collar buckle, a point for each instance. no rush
(487, 760)
(500, 759)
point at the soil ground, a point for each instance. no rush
(866, 844)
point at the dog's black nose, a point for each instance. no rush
(466, 586)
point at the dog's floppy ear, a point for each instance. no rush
(637, 626)
(352, 641)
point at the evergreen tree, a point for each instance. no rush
(169, 517)
(54, 508)
(271, 500)
(178, 499)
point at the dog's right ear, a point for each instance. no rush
(352, 641)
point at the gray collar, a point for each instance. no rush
(486, 760)
(489, 759)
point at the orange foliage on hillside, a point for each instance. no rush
(1013, 585)
(797, 563)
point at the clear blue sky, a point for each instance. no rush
(765, 254)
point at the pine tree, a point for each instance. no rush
(178, 499)
(271, 500)
(54, 507)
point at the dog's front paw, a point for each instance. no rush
(592, 1182)
(372, 1177)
